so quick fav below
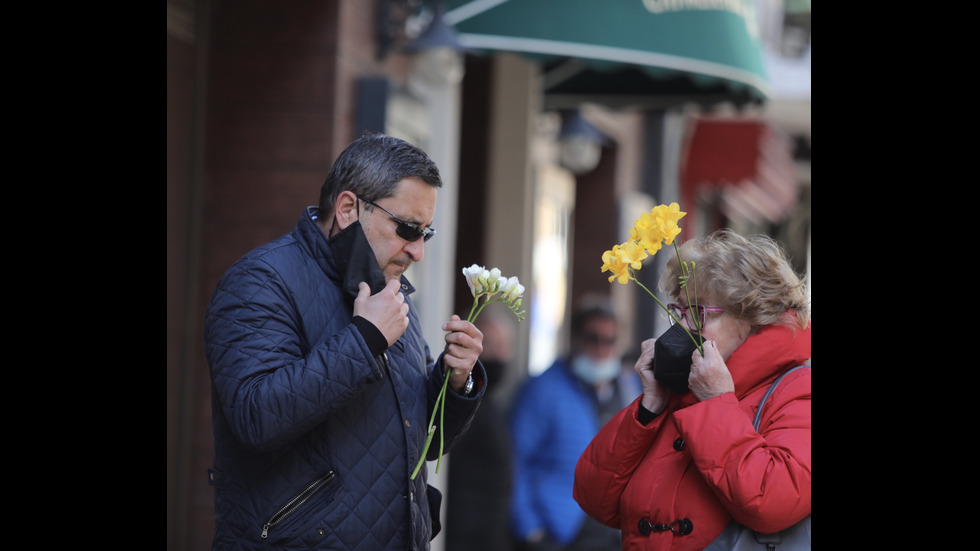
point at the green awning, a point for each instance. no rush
(625, 49)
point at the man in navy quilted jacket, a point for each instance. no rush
(322, 384)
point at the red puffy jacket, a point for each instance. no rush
(675, 483)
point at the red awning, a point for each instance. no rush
(745, 167)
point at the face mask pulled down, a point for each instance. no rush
(672, 358)
(355, 260)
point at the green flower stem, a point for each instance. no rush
(681, 323)
(686, 277)
(440, 401)
(475, 311)
(442, 421)
(440, 406)
(472, 316)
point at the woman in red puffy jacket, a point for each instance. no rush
(674, 468)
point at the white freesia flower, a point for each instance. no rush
(493, 281)
(472, 275)
(512, 289)
(485, 284)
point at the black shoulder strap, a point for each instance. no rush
(758, 413)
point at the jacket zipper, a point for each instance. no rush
(295, 503)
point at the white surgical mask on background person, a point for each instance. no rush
(595, 371)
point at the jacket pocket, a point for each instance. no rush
(299, 506)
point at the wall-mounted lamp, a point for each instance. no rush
(580, 143)
(391, 24)
(439, 51)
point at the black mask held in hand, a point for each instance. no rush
(672, 358)
(355, 260)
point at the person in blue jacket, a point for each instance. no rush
(553, 419)
(322, 384)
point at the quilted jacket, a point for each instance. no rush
(675, 483)
(315, 438)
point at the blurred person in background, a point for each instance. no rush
(480, 468)
(675, 468)
(553, 419)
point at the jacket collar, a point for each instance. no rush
(767, 354)
(764, 356)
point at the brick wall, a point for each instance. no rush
(261, 98)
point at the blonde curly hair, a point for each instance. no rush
(750, 277)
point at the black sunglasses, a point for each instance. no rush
(406, 230)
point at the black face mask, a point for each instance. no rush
(355, 260)
(672, 358)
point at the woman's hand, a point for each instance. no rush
(709, 374)
(655, 395)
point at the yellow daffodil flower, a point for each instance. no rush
(623, 258)
(648, 235)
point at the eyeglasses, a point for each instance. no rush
(681, 311)
(406, 230)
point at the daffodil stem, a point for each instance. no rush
(688, 275)
(644, 287)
